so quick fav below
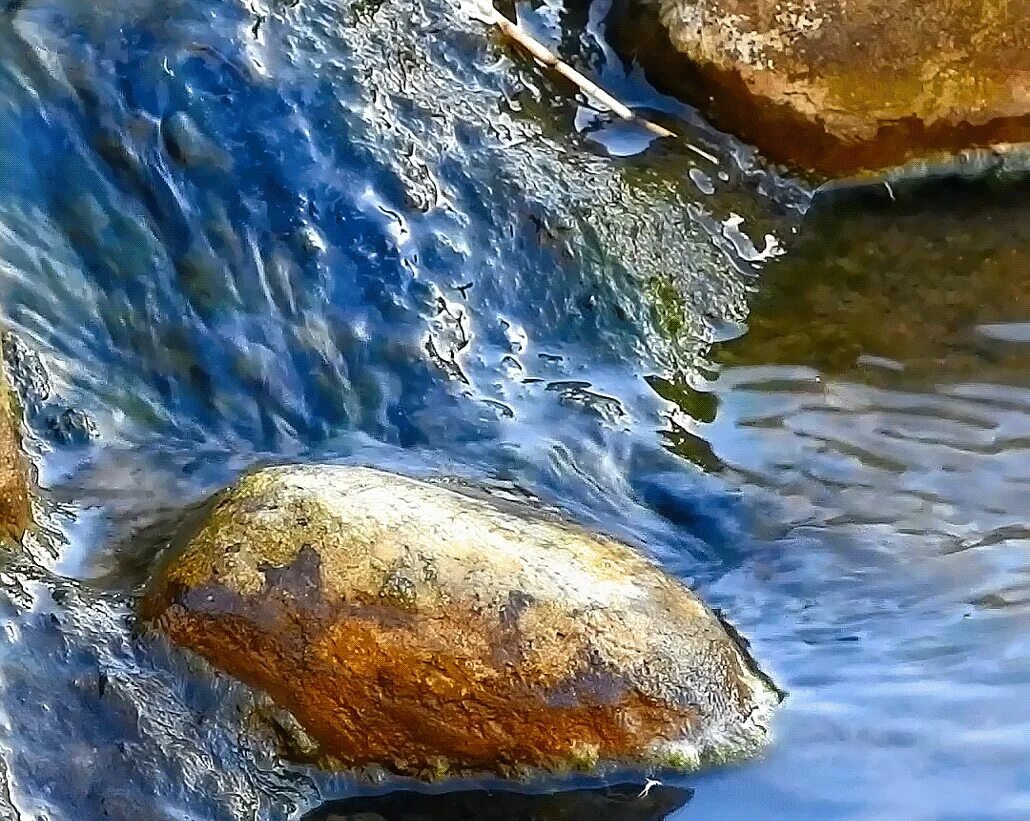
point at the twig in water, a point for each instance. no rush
(540, 52)
(648, 786)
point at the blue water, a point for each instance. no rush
(242, 231)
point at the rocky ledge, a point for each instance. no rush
(417, 628)
(14, 493)
(841, 86)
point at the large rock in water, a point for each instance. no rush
(410, 626)
(840, 86)
(14, 492)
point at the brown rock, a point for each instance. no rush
(14, 494)
(413, 627)
(839, 86)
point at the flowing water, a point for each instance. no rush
(245, 231)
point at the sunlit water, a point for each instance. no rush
(235, 232)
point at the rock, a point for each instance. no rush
(14, 492)
(69, 426)
(840, 86)
(190, 146)
(412, 627)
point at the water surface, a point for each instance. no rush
(235, 232)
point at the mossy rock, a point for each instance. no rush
(410, 626)
(841, 86)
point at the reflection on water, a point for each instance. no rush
(623, 802)
(882, 379)
(910, 293)
(887, 437)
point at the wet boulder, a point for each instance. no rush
(840, 86)
(431, 632)
(14, 494)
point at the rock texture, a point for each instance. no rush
(410, 626)
(840, 86)
(14, 494)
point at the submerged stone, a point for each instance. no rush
(410, 626)
(14, 492)
(840, 87)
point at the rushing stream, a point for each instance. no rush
(244, 231)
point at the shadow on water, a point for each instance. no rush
(622, 802)
(929, 287)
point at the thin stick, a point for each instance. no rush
(544, 55)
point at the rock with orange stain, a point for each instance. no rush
(410, 626)
(14, 492)
(841, 86)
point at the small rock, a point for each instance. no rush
(409, 626)
(71, 427)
